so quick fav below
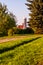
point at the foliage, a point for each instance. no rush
(10, 32)
(7, 21)
(16, 30)
(28, 31)
(36, 15)
(13, 31)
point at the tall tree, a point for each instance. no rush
(6, 20)
(36, 15)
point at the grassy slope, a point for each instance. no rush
(30, 53)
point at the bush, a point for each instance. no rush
(3, 33)
(26, 31)
(10, 32)
(16, 30)
(13, 31)
(29, 31)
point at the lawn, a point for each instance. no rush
(25, 51)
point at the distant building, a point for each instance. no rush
(20, 26)
(24, 25)
(25, 22)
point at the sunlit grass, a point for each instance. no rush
(30, 53)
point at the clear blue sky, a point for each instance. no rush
(18, 8)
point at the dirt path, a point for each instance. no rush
(6, 40)
(18, 45)
(10, 39)
(14, 38)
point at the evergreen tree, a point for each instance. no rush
(36, 15)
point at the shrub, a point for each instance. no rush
(16, 30)
(10, 32)
(29, 31)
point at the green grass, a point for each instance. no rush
(27, 51)
(18, 35)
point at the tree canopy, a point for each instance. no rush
(36, 15)
(7, 20)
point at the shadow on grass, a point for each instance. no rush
(13, 47)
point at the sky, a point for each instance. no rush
(18, 8)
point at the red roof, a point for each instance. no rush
(21, 26)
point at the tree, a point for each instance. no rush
(11, 21)
(36, 15)
(6, 20)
